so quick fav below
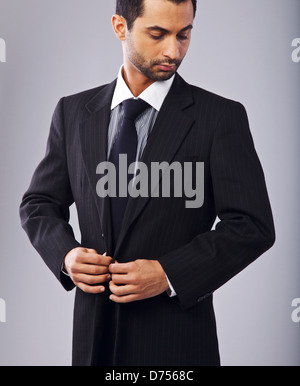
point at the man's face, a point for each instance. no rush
(158, 41)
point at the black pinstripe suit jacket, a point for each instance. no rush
(193, 126)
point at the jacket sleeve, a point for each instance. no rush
(245, 230)
(44, 210)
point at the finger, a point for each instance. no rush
(90, 250)
(89, 269)
(121, 278)
(90, 289)
(124, 299)
(90, 279)
(95, 259)
(122, 290)
(95, 252)
(121, 267)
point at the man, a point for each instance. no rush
(145, 271)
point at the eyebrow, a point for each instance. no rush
(157, 28)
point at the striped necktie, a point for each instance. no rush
(126, 144)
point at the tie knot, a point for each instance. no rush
(133, 108)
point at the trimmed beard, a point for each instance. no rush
(146, 68)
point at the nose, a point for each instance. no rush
(171, 49)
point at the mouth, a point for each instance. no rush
(167, 67)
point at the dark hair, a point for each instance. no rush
(132, 9)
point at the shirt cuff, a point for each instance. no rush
(63, 270)
(170, 291)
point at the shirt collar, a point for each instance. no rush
(154, 95)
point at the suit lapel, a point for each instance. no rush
(93, 136)
(171, 127)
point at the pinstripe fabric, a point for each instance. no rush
(193, 125)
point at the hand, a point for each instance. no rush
(88, 269)
(137, 280)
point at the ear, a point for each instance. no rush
(119, 25)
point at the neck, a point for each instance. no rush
(135, 80)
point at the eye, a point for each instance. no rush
(156, 37)
(182, 37)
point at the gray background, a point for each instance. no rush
(241, 50)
